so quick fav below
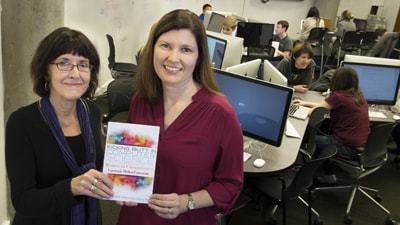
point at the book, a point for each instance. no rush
(129, 160)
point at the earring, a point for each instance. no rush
(46, 85)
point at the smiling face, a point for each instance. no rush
(175, 57)
(68, 85)
(302, 61)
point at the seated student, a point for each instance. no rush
(229, 25)
(298, 68)
(345, 24)
(385, 45)
(312, 20)
(281, 36)
(206, 7)
(349, 119)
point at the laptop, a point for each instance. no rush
(298, 111)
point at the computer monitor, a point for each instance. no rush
(255, 34)
(273, 75)
(207, 15)
(233, 51)
(371, 60)
(215, 23)
(379, 83)
(249, 68)
(239, 19)
(216, 49)
(261, 107)
(360, 24)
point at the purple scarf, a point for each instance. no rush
(77, 212)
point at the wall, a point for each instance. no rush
(23, 25)
(129, 21)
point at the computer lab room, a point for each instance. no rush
(313, 86)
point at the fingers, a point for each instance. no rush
(166, 206)
(92, 183)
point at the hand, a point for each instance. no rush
(297, 102)
(92, 183)
(302, 88)
(167, 205)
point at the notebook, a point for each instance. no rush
(290, 131)
(298, 111)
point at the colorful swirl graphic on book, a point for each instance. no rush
(125, 138)
(134, 182)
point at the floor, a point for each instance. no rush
(330, 205)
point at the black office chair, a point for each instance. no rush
(351, 43)
(291, 184)
(243, 199)
(367, 42)
(373, 158)
(118, 69)
(263, 52)
(119, 95)
(307, 147)
(316, 39)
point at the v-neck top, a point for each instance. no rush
(201, 149)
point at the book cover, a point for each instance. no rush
(129, 160)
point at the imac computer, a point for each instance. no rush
(255, 34)
(207, 15)
(273, 75)
(233, 51)
(379, 82)
(249, 68)
(216, 49)
(215, 22)
(371, 60)
(261, 107)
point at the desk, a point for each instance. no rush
(279, 158)
(276, 158)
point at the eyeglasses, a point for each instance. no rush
(68, 66)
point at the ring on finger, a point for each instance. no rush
(93, 188)
(95, 182)
(169, 211)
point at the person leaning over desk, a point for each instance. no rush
(349, 118)
(53, 150)
(199, 168)
(299, 67)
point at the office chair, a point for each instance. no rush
(307, 147)
(291, 184)
(316, 39)
(373, 158)
(119, 94)
(367, 42)
(118, 68)
(263, 52)
(243, 199)
(351, 43)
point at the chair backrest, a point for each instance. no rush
(375, 153)
(368, 40)
(304, 176)
(111, 55)
(315, 121)
(317, 35)
(119, 96)
(352, 40)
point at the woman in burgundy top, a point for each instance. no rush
(349, 118)
(199, 168)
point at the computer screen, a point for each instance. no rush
(360, 24)
(261, 107)
(233, 51)
(216, 48)
(215, 23)
(379, 83)
(273, 75)
(239, 19)
(249, 68)
(255, 34)
(371, 60)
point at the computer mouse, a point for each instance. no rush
(396, 117)
(259, 163)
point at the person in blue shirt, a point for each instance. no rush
(206, 7)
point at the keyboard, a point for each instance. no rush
(290, 131)
(298, 111)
